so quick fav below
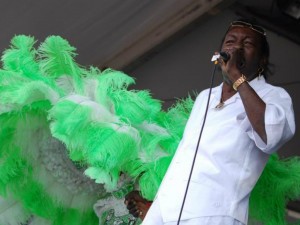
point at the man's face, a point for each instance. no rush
(248, 43)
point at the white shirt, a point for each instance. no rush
(231, 155)
(153, 217)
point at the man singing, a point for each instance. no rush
(247, 120)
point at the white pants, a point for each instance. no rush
(154, 217)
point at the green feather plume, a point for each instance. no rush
(56, 59)
(21, 57)
(278, 184)
(103, 145)
(110, 81)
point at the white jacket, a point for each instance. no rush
(231, 155)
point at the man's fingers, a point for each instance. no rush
(135, 212)
(131, 205)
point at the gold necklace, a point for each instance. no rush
(221, 104)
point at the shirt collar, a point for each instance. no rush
(258, 83)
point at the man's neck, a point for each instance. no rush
(227, 91)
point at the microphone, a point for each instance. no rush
(225, 56)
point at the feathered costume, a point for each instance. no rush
(71, 136)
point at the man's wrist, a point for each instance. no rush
(239, 81)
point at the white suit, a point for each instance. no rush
(230, 159)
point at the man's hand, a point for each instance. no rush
(136, 204)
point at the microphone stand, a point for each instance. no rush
(199, 138)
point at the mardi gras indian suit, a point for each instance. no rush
(73, 136)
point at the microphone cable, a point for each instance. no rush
(199, 138)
